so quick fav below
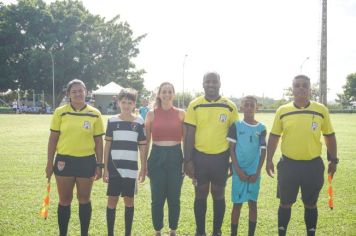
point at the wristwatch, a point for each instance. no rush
(100, 165)
(334, 160)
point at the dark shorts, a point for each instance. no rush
(211, 168)
(118, 186)
(75, 166)
(306, 175)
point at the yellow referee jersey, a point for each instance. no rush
(77, 129)
(301, 129)
(212, 120)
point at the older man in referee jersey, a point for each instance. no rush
(206, 154)
(301, 123)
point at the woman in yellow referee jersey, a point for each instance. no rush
(76, 141)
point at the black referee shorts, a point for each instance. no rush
(306, 175)
(211, 168)
(75, 166)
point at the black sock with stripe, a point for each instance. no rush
(311, 219)
(283, 220)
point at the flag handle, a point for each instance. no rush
(45, 205)
(330, 192)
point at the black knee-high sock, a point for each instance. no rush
(110, 220)
(84, 217)
(199, 212)
(219, 212)
(251, 228)
(311, 219)
(63, 214)
(129, 213)
(233, 230)
(283, 220)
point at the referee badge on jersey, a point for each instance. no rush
(223, 118)
(86, 125)
(61, 165)
(314, 125)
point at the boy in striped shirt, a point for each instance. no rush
(124, 136)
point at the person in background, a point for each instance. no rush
(114, 104)
(301, 123)
(248, 151)
(144, 108)
(164, 126)
(206, 150)
(14, 106)
(124, 136)
(76, 141)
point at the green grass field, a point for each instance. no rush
(23, 144)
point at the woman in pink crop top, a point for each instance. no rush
(164, 125)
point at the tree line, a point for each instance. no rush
(349, 91)
(81, 45)
(34, 34)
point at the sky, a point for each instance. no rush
(257, 46)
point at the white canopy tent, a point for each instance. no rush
(105, 96)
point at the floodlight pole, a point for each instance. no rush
(301, 66)
(323, 56)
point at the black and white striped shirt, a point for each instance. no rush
(126, 136)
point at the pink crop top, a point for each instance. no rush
(166, 125)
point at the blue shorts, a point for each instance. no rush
(244, 191)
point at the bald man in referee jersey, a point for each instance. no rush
(300, 123)
(206, 150)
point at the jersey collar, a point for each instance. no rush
(212, 100)
(81, 109)
(298, 107)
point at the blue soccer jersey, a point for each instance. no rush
(249, 140)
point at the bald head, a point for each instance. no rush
(211, 74)
(303, 77)
(211, 85)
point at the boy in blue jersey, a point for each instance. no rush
(247, 150)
